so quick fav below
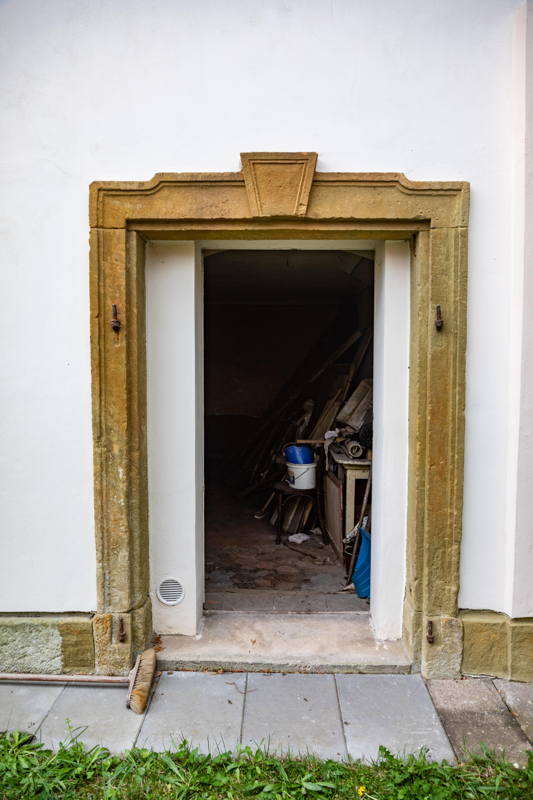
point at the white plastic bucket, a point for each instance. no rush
(301, 476)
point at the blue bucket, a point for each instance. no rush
(299, 454)
(361, 573)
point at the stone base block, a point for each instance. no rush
(441, 658)
(74, 643)
(497, 645)
(51, 644)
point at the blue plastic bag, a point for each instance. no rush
(361, 573)
(299, 454)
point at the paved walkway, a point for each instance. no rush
(333, 716)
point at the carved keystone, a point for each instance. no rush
(278, 184)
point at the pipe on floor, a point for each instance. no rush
(28, 677)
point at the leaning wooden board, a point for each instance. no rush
(333, 492)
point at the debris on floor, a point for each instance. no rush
(318, 429)
(299, 538)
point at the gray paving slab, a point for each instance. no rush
(24, 706)
(94, 715)
(391, 710)
(294, 713)
(201, 707)
(519, 699)
(474, 714)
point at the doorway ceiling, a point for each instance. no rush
(286, 276)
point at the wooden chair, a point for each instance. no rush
(283, 492)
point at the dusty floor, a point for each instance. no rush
(246, 570)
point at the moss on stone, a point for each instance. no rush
(29, 644)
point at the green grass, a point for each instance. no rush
(29, 771)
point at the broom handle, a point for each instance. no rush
(38, 678)
(365, 498)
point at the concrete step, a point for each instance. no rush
(282, 602)
(291, 642)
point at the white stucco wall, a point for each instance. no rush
(123, 89)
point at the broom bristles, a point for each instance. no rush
(142, 681)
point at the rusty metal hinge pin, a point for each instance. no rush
(439, 322)
(430, 636)
(121, 630)
(115, 322)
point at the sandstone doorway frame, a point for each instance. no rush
(280, 196)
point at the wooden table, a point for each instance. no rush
(349, 471)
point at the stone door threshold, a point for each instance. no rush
(278, 601)
(291, 642)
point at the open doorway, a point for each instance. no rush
(288, 358)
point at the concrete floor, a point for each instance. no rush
(242, 558)
(330, 715)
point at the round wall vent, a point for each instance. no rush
(170, 592)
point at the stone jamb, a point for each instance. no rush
(339, 205)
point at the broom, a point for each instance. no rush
(139, 681)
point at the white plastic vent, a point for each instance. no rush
(170, 592)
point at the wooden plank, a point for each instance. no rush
(334, 512)
(359, 355)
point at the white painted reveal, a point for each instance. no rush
(390, 446)
(174, 310)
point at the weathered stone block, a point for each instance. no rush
(77, 645)
(142, 626)
(521, 649)
(30, 644)
(51, 645)
(112, 656)
(442, 658)
(485, 644)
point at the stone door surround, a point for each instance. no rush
(280, 196)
